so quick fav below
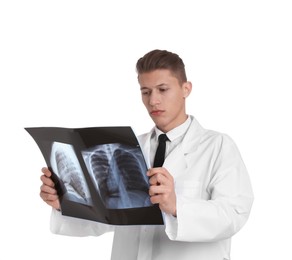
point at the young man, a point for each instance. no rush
(203, 188)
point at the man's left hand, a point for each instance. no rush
(161, 189)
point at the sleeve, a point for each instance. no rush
(228, 207)
(69, 226)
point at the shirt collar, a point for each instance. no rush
(175, 132)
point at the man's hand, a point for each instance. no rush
(161, 190)
(48, 192)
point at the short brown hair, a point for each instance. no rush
(162, 59)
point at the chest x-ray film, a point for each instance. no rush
(99, 173)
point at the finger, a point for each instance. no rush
(156, 199)
(161, 170)
(153, 171)
(153, 180)
(48, 197)
(48, 194)
(47, 189)
(47, 181)
(46, 172)
(158, 179)
(160, 189)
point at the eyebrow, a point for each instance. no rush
(157, 86)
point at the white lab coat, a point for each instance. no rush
(214, 199)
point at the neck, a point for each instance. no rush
(172, 125)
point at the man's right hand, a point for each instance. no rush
(48, 192)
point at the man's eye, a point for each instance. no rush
(145, 93)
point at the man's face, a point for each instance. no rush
(164, 98)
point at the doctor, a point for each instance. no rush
(203, 188)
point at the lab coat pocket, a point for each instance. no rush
(188, 189)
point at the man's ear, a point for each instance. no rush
(187, 88)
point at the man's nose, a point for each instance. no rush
(154, 99)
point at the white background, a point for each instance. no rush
(72, 64)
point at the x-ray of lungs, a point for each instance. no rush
(99, 174)
(66, 166)
(118, 172)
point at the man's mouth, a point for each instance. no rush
(156, 112)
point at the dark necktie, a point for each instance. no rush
(160, 152)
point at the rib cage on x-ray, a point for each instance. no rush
(119, 175)
(69, 171)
